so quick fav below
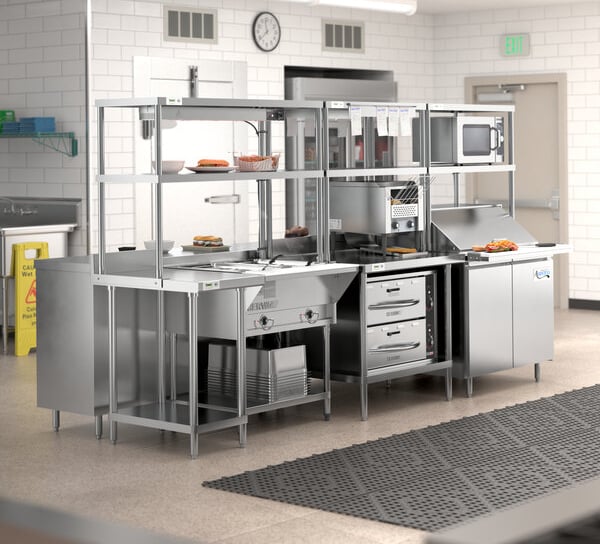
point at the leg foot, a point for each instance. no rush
(194, 445)
(364, 411)
(537, 372)
(113, 431)
(448, 384)
(55, 420)
(99, 427)
(469, 387)
(243, 432)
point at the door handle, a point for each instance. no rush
(404, 346)
(394, 304)
(223, 199)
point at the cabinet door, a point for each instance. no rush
(533, 312)
(489, 319)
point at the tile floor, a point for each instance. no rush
(148, 479)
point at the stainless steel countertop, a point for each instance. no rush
(524, 253)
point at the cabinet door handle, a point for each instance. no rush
(223, 199)
(394, 304)
(404, 346)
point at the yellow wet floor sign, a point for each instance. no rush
(23, 271)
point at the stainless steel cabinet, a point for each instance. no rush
(505, 317)
(393, 325)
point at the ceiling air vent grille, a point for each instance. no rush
(190, 25)
(343, 36)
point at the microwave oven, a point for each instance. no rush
(464, 139)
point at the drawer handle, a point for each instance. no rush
(395, 347)
(394, 304)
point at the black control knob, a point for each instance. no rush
(263, 320)
(394, 225)
(410, 224)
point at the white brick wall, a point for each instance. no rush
(42, 74)
(41, 55)
(563, 38)
(118, 37)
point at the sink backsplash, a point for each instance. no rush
(25, 211)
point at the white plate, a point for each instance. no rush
(200, 169)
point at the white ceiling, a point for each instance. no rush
(457, 6)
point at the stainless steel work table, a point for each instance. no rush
(172, 414)
(374, 267)
(198, 281)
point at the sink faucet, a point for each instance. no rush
(16, 210)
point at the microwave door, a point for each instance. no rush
(477, 139)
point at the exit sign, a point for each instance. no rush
(514, 45)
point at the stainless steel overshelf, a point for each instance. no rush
(470, 169)
(206, 103)
(209, 176)
(471, 107)
(397, 172)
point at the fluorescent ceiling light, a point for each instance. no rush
(406, 7)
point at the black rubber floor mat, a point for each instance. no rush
(438, 476)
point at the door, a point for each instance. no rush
(533, 318)
(188, 208)
(540, 160)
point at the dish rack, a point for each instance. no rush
(271, 375)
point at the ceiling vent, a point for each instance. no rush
(343, 36)
(190, 25)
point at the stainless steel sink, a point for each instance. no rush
(31, 220)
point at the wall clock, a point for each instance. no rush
(266, 31)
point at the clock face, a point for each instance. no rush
(266, 31)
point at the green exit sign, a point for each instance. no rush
(514, 45)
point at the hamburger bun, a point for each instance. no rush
(401, 250)
(208, 241)
(213, 162)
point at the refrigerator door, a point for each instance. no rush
(533, 312)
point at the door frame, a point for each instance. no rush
(560, 80)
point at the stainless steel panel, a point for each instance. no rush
(314, 88)
(395, 299)
(464, 227)
(488, 319)
(72, 345)
(285, 302)
(65, 339)
(396, 343)
(533, 312)
(370, 207)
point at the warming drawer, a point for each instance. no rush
(396, 343)
(397, 299)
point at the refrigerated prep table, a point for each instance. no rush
(503, 308)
